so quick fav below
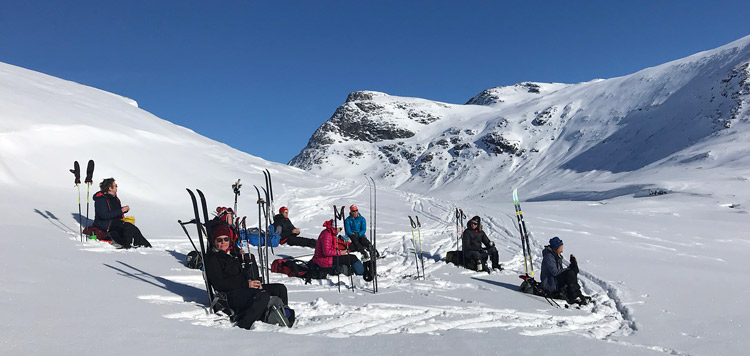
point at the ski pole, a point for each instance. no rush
(421, 255)
(413, 242)
(335, 237)
(236, 188)
(89, 181)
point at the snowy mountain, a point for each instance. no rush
(681, 115)
(661, 267)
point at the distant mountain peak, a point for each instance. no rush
(532, 132)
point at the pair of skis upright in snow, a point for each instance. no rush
(373, 199)
(265, 211)
(88, 181)
(418, 226)
(525, 245)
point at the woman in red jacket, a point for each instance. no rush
(329, 257)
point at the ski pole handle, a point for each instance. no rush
(413, 225)
(418, 223)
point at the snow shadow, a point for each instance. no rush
(179, 256)
(55, 221)
(84, 220)
(512, 287)
(591, 195)
(188, 293)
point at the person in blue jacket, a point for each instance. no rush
(355, 228)
(559, 282)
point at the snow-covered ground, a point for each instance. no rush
(663, 268)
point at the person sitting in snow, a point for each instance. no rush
(559, 282)
(109, 214)
(289, 233)
(472, 240)
(355, 228)
(247, 297)
(330, 256)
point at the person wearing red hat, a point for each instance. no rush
(290, 233)
(247, 297)
(355, 227)
(328, 255)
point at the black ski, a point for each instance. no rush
(236, 188)
(200, 240)
(525, 245)
(373, 231)
(261, 210)
(77, 173)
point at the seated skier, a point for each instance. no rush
(559, 282)
(109, 214)
(355, 228)
(247, 297)
(472, 240)
(290, 233)
(330, 256)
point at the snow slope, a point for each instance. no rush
(657, 265)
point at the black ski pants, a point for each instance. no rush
(567, 285)
(296, 240)
(249, 305)
(344, 260)
(359, 243)
(277, 290)
(127, 235)
(482, 255)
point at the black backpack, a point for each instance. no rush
(194, 260)
(278, 313)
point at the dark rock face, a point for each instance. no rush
(496, 143)
(366, 117)
(486, 97)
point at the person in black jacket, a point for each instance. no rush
(247, 297)
(472, 240)
(108, 217)
(289, 233)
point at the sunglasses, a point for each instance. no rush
(222, 239)
(472, 222)
(354, 211)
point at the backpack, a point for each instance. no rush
(278, 313)
(455, 257)
(100, 234)
(256, 237)
(193, 260)
(369, 270)
(298, 268)
(289, 267)
(342, 244)
(531, 286)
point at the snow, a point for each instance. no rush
(665, 270)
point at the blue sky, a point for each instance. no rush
(261, 76)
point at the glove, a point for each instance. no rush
(573, 263)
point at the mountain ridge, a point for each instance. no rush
(528, 132)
